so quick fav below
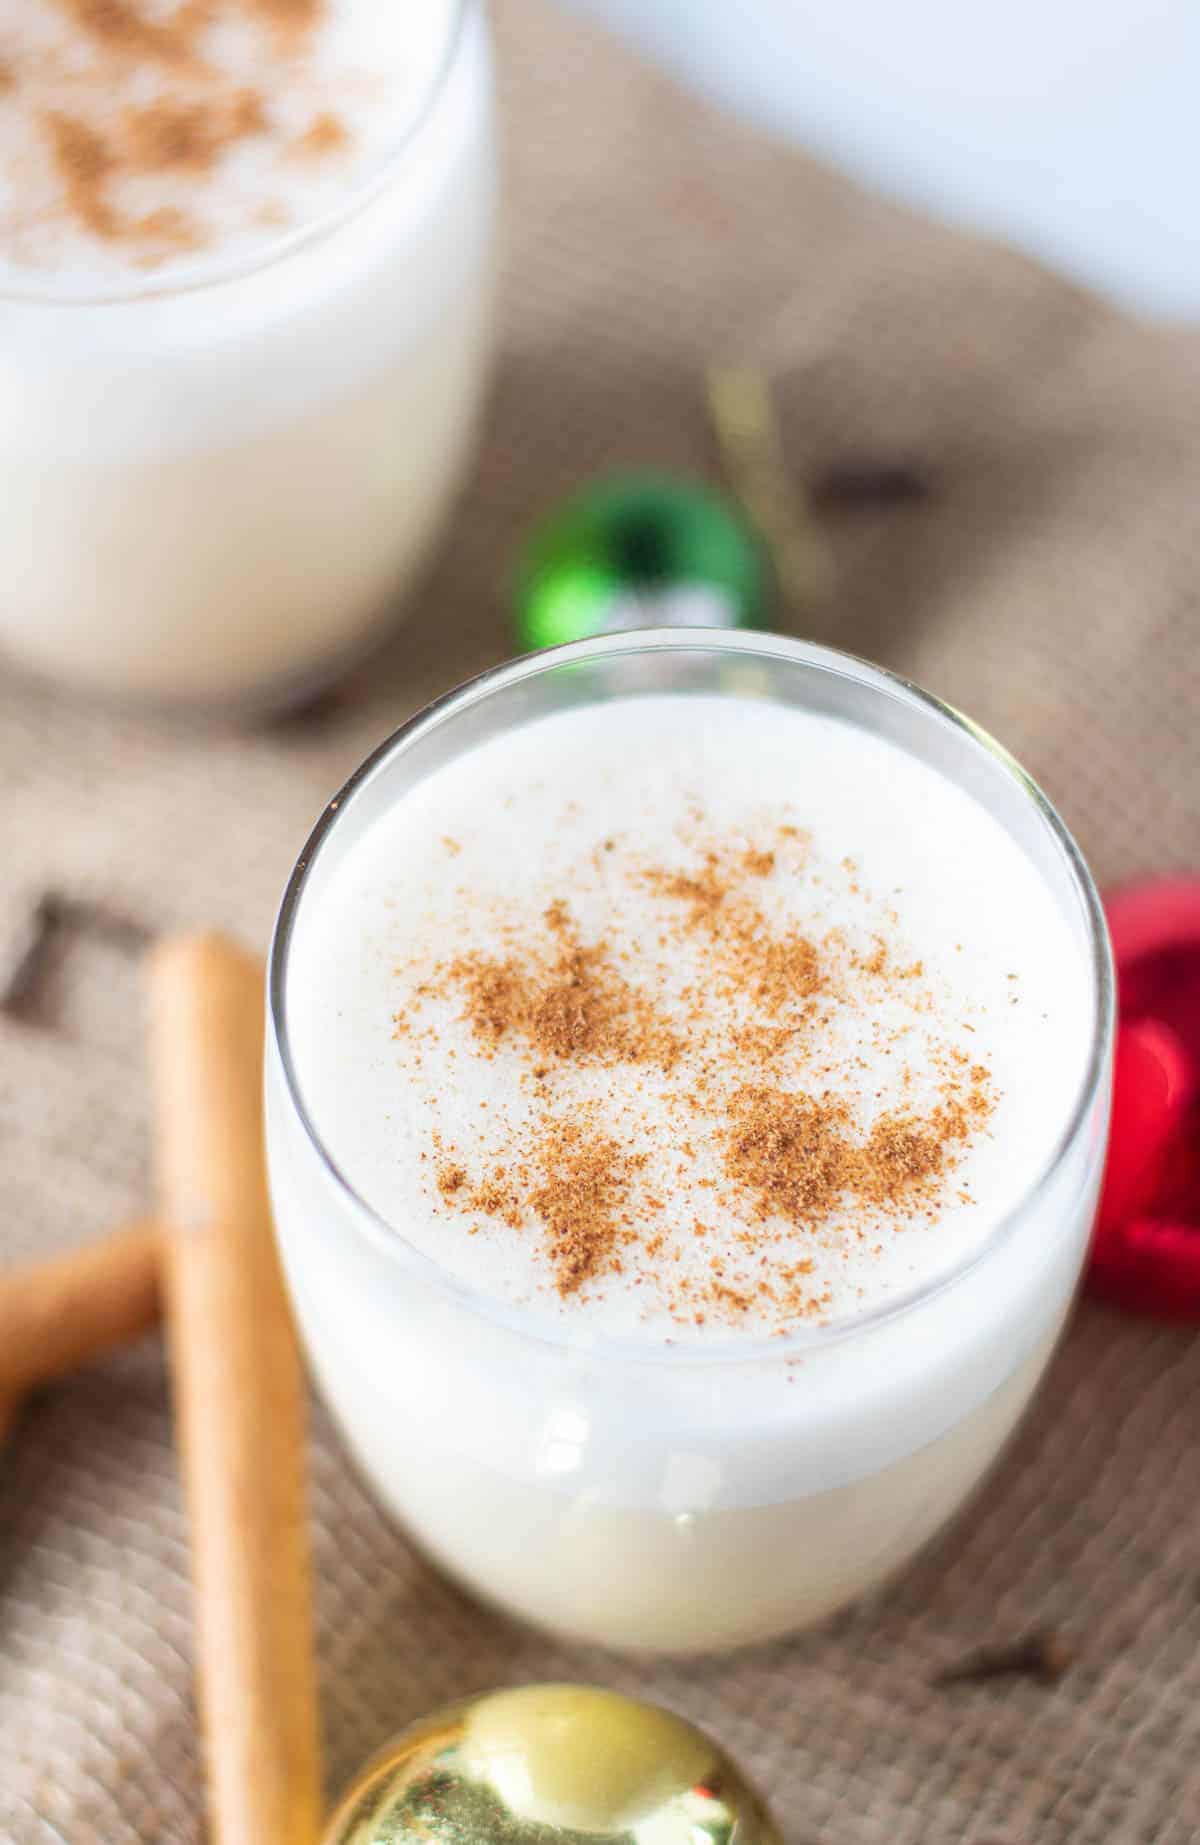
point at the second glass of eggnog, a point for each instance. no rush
(687, 1082)
(245, 254)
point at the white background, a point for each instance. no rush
(1072, 128)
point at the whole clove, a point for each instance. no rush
(1043, 1655)
(865, 482)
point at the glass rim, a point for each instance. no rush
(803, 1341)
(213, 273)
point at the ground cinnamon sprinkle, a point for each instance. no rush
(570, 1002)
(799, 1159)
(294, 17)
(326, 134)
(791, 1152)
(84, 162)
(169, 228)
(451, 1179)
(575, 1182)
(248, 114)
(781, 970)
(762, 1101)
(177, 137)
(120, 26)
(705, 892)
(112, 119)
(586, 1178)
(774, 969)
(162, 137)
(493, 1196)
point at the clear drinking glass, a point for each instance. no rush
(215, 488)
(679, 1498)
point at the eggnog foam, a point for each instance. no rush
(154, 140)
(773, 925)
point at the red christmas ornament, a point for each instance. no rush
(1146, 1249)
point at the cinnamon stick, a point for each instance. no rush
(58, 1314)
(239, 1396)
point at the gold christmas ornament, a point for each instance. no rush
(551, 1765)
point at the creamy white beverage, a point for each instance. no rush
(681, 1036)
(244, 286)
(679, 1018)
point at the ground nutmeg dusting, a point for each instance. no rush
(142, 97)
(749, 1073)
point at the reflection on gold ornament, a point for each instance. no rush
(551, 1765)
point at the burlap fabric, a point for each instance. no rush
(1048, 584)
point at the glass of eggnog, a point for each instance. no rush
(244, 315)
(687, 1084)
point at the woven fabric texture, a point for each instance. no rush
(1047, 582)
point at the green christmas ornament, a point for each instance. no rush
(552, 1765)
(639, 551)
